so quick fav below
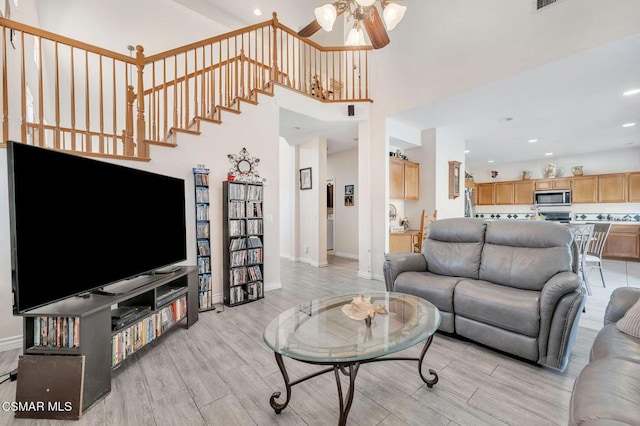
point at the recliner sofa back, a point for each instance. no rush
(454, 247)
(524, 254)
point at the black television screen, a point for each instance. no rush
(78, 224)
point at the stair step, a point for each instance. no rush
(209, 120)
(247, 100)
(158, 143)
(232, 110)
(178, 130)
(264, 92)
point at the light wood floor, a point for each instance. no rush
(220, 372)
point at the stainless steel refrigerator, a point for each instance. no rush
(469, 205)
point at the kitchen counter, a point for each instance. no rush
(403, 242)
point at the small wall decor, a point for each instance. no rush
(244, 167)
(494, 174)
(305, 178)
(349, 189)
(348, 200)
(454, 179)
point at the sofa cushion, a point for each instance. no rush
(525, 254)
(453, 247)
(436, 289)
(630, 322)
(607, 389)
(505, 307)
(612, 343)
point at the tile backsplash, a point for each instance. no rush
(579, 216)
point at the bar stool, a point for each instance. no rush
(582, 237)
(593, 258)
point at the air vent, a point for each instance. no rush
(544, 3)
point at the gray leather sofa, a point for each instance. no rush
(507, 284)
(607, 390)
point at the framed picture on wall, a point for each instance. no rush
(349, 189)
(348, 200)
(305, 178)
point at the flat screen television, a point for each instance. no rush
(79, 224)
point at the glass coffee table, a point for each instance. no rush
(319, 332)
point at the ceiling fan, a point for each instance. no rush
(363, 13)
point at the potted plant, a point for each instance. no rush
(577, 170)
(526, 174)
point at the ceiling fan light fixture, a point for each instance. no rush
(355, 37)
(365, 3)
(393, 14)
(326, 16)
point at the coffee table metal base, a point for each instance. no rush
(349, 369)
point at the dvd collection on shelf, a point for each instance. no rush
(126, 341)
(205, 292)
(243, 236)
(56, 332)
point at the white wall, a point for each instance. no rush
(211, 149)
(343, 168)
(312, 205)
(616, 161)
(287, 200)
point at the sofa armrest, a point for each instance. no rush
(559, 286)
(397, 263)
(621, 300)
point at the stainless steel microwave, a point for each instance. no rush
(559, 197)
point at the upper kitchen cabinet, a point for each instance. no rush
(523, 192)
(555, 183)
(504, 193)
(585, 189)
(403, 179)
(485, 194)
(612, 188)
(633, 184)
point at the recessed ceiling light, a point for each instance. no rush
(296, 127)
(506, 119)
(532, 140)
(631, 92)
(466, 151)
(629, 125)
(548, 154)
(257, 12)
(490, 161)
(628, 143)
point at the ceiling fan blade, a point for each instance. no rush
(314, 26)
(310, 29)
(375, 29)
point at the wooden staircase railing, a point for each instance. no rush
(69, 95)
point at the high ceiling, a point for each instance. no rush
(571, 106)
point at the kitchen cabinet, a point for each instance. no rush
(523, 192)
(633, 184)
(504, 193)
(403, 179)
(612, 188)
(485, 193)
(623, 242)
(403, 242)
(585, 189)
(555, 183)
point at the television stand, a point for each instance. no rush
(83, 327)
(167, 270)
(102, 292)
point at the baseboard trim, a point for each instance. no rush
(273, 286)
(319, 265)
(378, 277)
(10, 343)
(365, 275)
(347, 255)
